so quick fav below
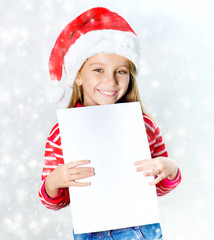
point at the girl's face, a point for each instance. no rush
(104, 79)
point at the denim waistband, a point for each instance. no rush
(145, 232)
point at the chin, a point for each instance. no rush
(106, 103)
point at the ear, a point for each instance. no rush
(78, 80)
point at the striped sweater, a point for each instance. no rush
(54, 158)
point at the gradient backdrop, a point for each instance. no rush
(176, 84)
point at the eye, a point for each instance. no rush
(99, 70)
(121, 72)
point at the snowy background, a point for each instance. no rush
(176, 84)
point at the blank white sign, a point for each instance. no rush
(112, 137)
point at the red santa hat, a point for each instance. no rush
(97, 30)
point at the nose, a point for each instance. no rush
(110, 79)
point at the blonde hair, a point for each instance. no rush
(132, 93)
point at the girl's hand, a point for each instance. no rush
(160, 167)
(66, 176)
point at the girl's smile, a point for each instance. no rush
(108, 93)
(104, 79)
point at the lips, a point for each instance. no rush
(108, 93)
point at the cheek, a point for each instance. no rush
(90, 83)
(125, 83)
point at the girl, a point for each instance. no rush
(100, 53)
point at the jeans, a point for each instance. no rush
(145, 232)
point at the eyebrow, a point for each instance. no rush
(97, 63)
(103, 64)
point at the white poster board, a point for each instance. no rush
(112, 137)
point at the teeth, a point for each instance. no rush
(109, 93)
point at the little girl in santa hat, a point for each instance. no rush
(100, 53)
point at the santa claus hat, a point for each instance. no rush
(97, 30)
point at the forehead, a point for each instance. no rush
(108, 59)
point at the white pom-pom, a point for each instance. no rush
(56, 92)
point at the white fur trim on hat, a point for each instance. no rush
(122, 43)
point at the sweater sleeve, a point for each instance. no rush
(52, 159)
(158, 149)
